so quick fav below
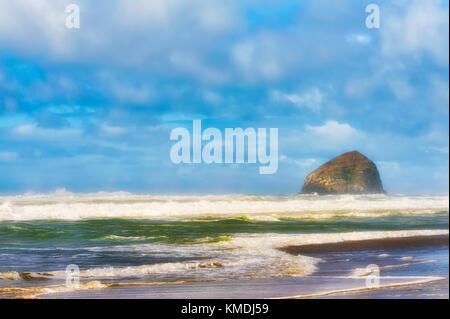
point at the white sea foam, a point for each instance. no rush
(68, 206)
(245, 256)
(10, 275)
(34, 292)
(362, 272)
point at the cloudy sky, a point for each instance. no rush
(91, 109)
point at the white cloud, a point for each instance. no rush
(443, 150)
(334, 130)
(407, 178)
(209, 15)
(302, 162)
(262, 57)
(131, 32)
(439, 94)
(417, 28)
(112, 130)
(359, 86)
(216, 15)
(358, 38)
(189, 63)
(63, 109)
(7, 156)
(24, 129)
(330, 136)
(311, 99)
(333, 135)
(401, 88)
(391, 166)
(156, 128)
(34, 25)
(437, 136)
(10, 104)
(143, 13)
(212, 98)
(386, 75)
(140, 93)
(33, 132)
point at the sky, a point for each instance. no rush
(91, 109)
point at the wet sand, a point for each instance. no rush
(395, 257)
(370, 244)
(438, 289)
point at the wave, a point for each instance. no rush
(244, 256)
(11, 275)
(263, 208)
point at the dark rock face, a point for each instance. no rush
(349, 173)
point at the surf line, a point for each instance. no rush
(213, 150)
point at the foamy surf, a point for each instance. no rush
(244, 256)
(34, 292)
(269, 208)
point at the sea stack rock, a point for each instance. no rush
(349, 173)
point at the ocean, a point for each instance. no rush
(222, 246)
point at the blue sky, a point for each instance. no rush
(91, 109)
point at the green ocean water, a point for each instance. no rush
(119, 231)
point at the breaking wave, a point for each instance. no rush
(68, 206)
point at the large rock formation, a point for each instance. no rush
(349, 173)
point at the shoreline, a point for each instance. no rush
(366, 289)
(369, 244)
(383, 252)
(334, 277)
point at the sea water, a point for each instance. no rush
(120, 239)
